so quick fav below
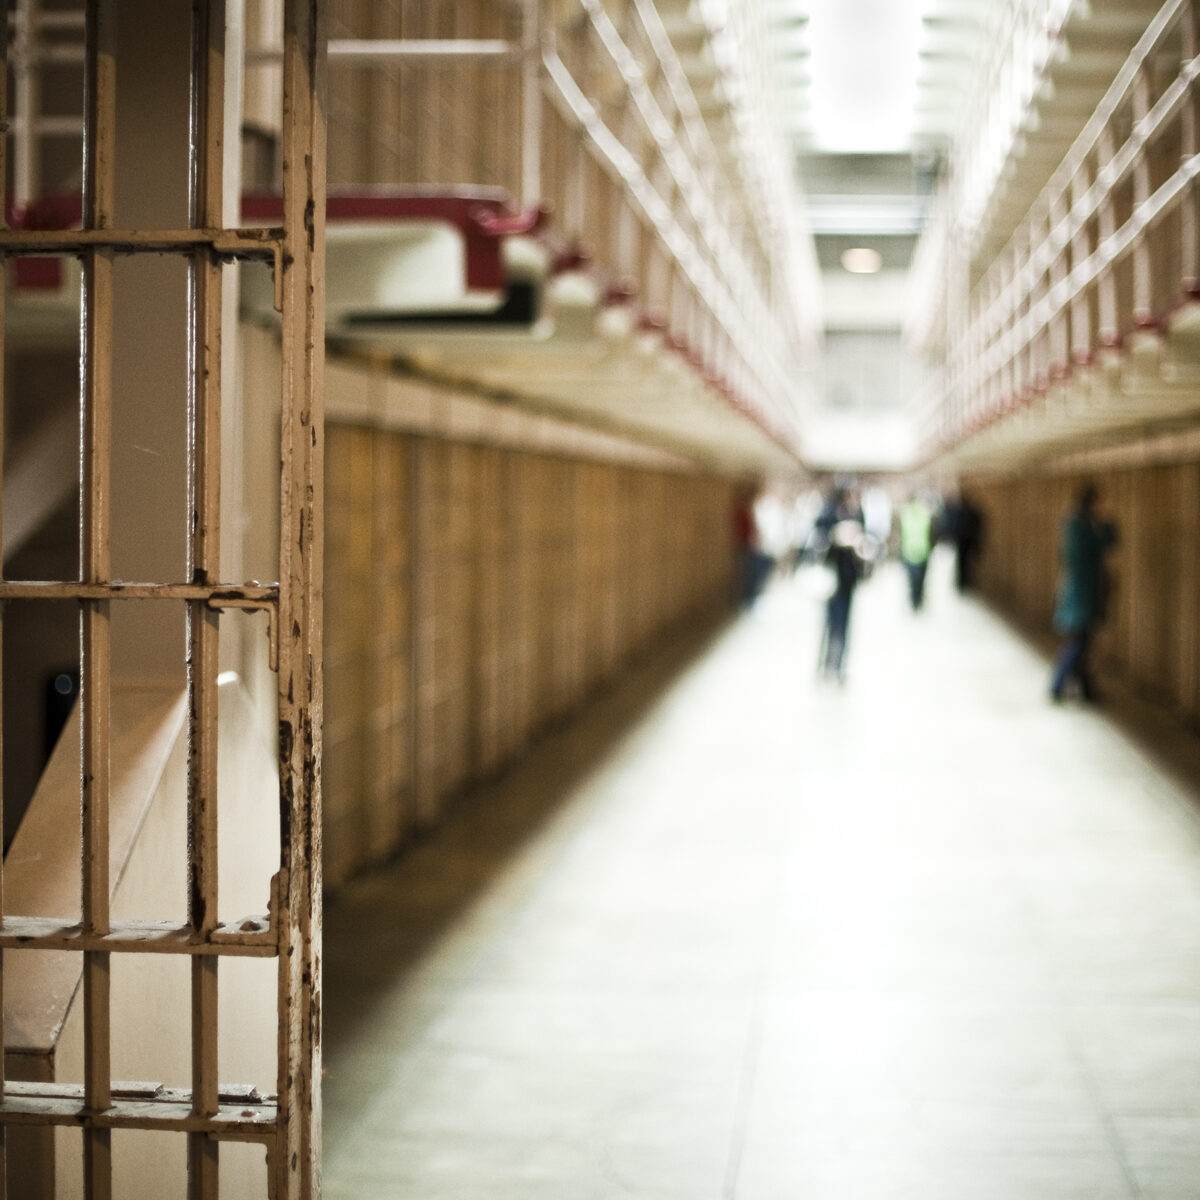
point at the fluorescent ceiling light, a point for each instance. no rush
(863, 215)
(863, 65)
(862, 260)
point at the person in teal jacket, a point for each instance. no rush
(1087, 537)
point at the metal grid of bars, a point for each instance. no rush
(517, 581)
(584, 107)
(287, 1124)
(1106, 253)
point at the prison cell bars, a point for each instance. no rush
(1088, 264)
(659, 164)
(288, 1128)
(29, 52)
(1086, 186)
(301, 549)
(95, 661)
(4, 115)
(1022, 40)
(205, 196)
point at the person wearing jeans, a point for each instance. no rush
(1087, 537)
(916, 546)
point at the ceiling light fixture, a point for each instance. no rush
(862, 260)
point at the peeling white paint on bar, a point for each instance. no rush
(209, 1111)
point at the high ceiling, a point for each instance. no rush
(874, 76)
(869, 92)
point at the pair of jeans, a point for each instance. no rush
(916, 582)
(837, 626)
(1072, 663)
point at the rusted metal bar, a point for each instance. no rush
(205, 205)
(207, 1112)
(95, 500)
(295, 1165)
(252, 937)
(253, 242)
(4, 73)
(218, 595)
(239, 1117)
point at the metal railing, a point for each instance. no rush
(718, 250)
(1111, 245)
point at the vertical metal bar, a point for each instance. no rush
(1008, 374)
(1143, 282)
(205, 204)
(1081, 333)
(3, 358)
(1189, 231)
(25, 99)
(1107, 283)
(1029, 351)
(301, 549)
(95, 518)
(1059, 322)
(531, 103)
(416, 550)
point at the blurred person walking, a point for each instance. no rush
(848, 555)
(1081, 602)
(916, 545)
(968, 541)
(754, 564)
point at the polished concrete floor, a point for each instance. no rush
(741, 934)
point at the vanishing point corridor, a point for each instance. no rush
(742, 935)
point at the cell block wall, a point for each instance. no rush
(438, 123)
(1151, 638)
(482, 594)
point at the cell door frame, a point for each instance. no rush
(207, 1113)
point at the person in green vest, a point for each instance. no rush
(916, 545)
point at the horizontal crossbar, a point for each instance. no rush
(216, 594)
(252, 242)
(253, 1118)
(252, 937)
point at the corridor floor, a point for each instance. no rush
(741, 935)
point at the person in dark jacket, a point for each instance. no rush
(966, 529)
(1087, 537)
(847, 555)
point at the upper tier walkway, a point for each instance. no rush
(740, 935)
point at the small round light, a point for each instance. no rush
(862, 260)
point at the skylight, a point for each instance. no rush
(863, 68)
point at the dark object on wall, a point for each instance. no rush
(60, 692)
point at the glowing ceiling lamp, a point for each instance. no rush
(861, 260)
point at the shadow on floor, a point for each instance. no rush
(1148, 721)
(425, 897)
